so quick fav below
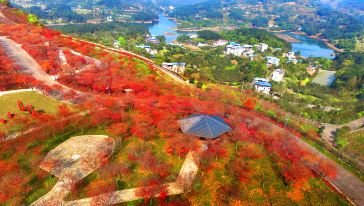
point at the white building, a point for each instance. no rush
(109, 19)
(262, 47)
(202, 44)
(116, 44)
(272, 61)
(291, 57)
(239, 50)
(148, 49)
(311, 70)
(153, 40)
(178, 67)
(220, 42)
(193, 36)
(278, 75)
(262, 85)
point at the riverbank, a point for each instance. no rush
(216, 29)
(287, 38)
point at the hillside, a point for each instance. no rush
(118, 139)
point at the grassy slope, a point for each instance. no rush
(40, 102)
(356, 144)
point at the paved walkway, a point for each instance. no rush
(2, 93)
(72, 161)
(330, 129)
(183, 183)
(79, 156)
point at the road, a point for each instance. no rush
(330, 129)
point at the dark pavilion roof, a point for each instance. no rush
(201, 125)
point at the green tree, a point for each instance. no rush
(33, 19)
(122, 41)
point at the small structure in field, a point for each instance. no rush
(206, 126)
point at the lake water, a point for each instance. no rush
(307, 46)
(310, 47)
(165, 25)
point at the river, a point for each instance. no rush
(165, 25)
(307, 46)
(310, 47)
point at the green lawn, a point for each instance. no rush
(40, 102)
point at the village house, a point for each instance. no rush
(153, 40)
(148, 49)
(291, 57)
(116, 44)
(220, 42)
(239, 50)
(200, 44)
(311, 70)
(178, 67)
(262, 47)
(262, 85)
(278, 75)
(193, 36)
(272, 61)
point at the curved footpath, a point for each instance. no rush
(2, 93)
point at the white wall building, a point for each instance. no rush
(148, 49)
(278, 75)
(262, 47)
(239, 50)
(262, 85)
(272, 61)
(193, 36)
(220, 42)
